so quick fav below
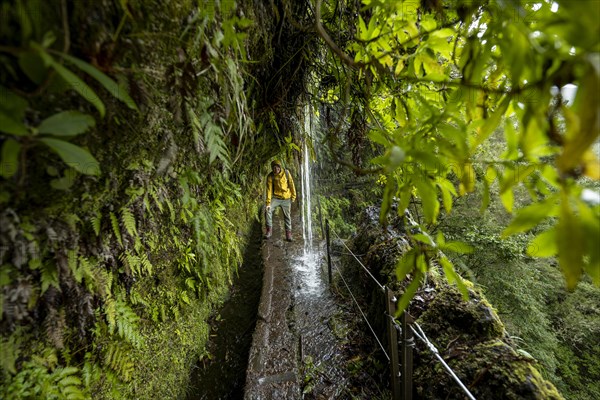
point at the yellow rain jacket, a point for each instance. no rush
(281, 185)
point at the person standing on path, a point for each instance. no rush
(281, 192)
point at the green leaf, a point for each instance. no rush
(428, 195)
(67, 123)
(426, 239)
(453, 277)
(113, 87)
(12, 104)
(49, 277)
(33, 66)
(543, 245)
(14, 127)
(10, 155)
(531, 216)
(492, 122)
(590, 222)
(409, 293)
(457, 247)
(507, 198)
(405, 264)
(570, 242)
(74, 156)
(80, 87)
(447, 189)
(388, 195)
(115, 225)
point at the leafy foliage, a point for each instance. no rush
(437, 81)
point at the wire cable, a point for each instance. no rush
(421, 335)
(361, 311)
(361, 264)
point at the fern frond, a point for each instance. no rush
(127, 323)
(49, 277)
(96, 222)
(99, 282)
(217, 149)
(110, 310)
(156, 200)
(118, 358)
(128, 221)
(146, 264)
(115, 225)
(171, 210)
(131, 261)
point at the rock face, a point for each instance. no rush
(468, 334)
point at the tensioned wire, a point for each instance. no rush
(361, 264)
(361, 311)
(420, 334)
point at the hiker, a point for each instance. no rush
(280, 193)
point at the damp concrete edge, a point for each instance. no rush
(273, 370)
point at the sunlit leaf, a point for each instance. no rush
(543, 245)
(453, 277)
(428, 195)
(570, 243)
(409, 293)
(405, 264)
(457, 247)
(531, 216)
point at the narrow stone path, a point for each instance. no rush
(294, 347)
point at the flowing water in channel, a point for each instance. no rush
(314, 306)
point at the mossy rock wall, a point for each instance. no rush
(108, 277)
(468, 334)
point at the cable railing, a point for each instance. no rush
(400, 364)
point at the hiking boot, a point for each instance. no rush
(288, 236)
(269, 232)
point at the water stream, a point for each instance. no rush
(314, 306)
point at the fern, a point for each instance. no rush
(96, 222)
(99, 281)
(146, 264)
(171, 210)
(115, 225)
(69, 385)
(122, 319)
(49, 277)
(128, 222)
(217, 149)
(110, 311)
(74, 265)
(131, 262)
(118, 358)
(9, 353)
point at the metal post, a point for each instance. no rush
(320, 217)
(328, 251)
(393, 344)
(407, 357)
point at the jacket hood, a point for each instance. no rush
(276, 162)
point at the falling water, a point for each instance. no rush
(306, 203)
(308, 263)
(307, 233)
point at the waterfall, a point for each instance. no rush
(307, 233)
(307, 265)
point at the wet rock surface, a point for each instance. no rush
(468, 334)
(295, 353)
